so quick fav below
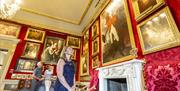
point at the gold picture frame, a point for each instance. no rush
(86, 36)
(117, 34)
(35, 35)
(9, 29)
(31, 50)
(86, 48)
(52, 49)
(95, 29)
(143, 8)
(95, 61)
(74, 42)
(74, 55)
(84, 65)
(158, 32)
(95, 46)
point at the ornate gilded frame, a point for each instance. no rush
(163, 14)
(30, 33)
(139, 15)
(131, 36)
(85, 58)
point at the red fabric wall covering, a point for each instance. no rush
(20, 48)
(162, 70)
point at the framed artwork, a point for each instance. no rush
(10, 87)
(95, 61)
(25, 65)
(73, 42)
(117, 35)
(52, 49)
(143, 8)
(86, 48)
(158, 32)
(74, 55)
(31, 50)
(95, 46)
(9, 30)
(35, 35)
(95, 29)
(84, 65)
(86, 36)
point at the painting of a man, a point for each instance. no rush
(115, 32)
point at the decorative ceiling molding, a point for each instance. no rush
(58, 18)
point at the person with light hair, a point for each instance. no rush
(37, 77)
(65, 71)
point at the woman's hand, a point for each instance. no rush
(71, 89)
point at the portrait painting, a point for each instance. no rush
(84, 65)
(52, 49)
(143, 8)
(74, 55)
(9, 30)
(31, 50)
(73, 42)
(95, 29)
(85, 48)
(35, 35)
(25, 65)
(145, 4)
(158, 32)
(86, 36)
(95, 46)
(117, 36)
(95, 61)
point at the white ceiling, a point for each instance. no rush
(69, 16)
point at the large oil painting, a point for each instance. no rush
(117, 37)
(52, 49)
(158, 32)
(31, 50)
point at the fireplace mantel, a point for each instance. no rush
(131, 70)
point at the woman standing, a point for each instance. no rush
(65, 71)
(48, 75)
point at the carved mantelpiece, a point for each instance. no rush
(131, 70)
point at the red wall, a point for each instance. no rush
(162, 70)
(20, 48)
(155, 60)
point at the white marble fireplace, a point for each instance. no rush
(131, 71)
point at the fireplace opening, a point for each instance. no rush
(119, 84)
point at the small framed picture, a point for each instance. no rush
(74, 55)
(35, 35)
(9, 30)
(73, 42)
(95, 46)
(95, 61)
(84, 65)
(143, 8)
(86, 48)
(158, 32)
(31, 50)
(25, 65)
(86, 36)
(95, 29)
